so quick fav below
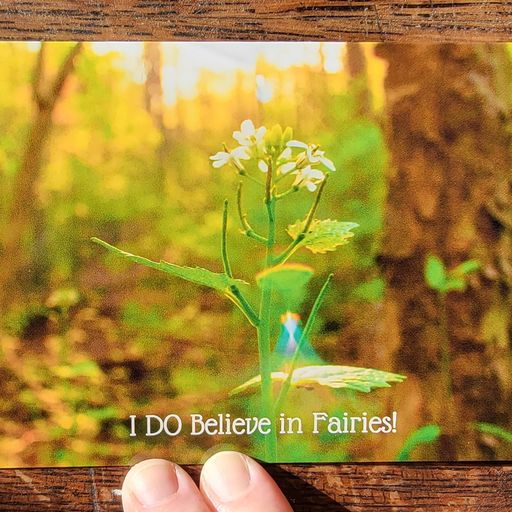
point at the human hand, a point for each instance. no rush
(230, 482)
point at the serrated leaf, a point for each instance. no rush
(424, 435)
(286, 277)
(338, 377)
(196, 275)
(323, 235)
(435, 273)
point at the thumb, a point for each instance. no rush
(233, 482)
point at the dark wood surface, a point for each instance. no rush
(350, 488)
(310, 488)
(381, 20)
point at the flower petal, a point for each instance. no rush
(239, 137)
(262, 166)
(221, 155)
(328, 163)
(285, 168)
(316, 174)
(247, 127)
(286, 154)
(241, 152)
(260, 132)
(297, 144)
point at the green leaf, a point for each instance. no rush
(323, 235)
(457, 284)
(435, 273)
(424, 435)
(286, 277)
(338, 377)
(196, 275)
(494, 430)
(466, 267)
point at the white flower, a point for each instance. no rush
(223, 158)
(263, 166)
(249, 134)
(284, 162)
(286, 168)
(297, 144)
(319, 155)
(309, 178)
(285, 155)
(312, 154)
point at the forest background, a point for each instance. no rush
(113, 141)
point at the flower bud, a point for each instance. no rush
(274, 136)
(287, 135)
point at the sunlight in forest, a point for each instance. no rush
(183, 62)
(391, 233)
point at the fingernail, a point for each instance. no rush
(154, 482)
(226, 476)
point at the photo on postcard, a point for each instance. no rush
(301, 251)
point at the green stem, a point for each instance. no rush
(234, 293)
(246, 227)
(291, 190)
(300, 345)
(224, 241)
(249, 177)
(241, 302)
(307, 224)
(267, 397)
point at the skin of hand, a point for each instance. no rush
(230, 482)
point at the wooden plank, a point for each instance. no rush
(411, 487)
(409, 20)
(347, 487)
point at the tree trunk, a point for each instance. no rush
(357, 70)
(154, 102)
(15, 268)
(449, 195)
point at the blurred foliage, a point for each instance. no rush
(97, 339)
(424, 435)
(444, 281)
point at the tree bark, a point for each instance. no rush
(449, 195)
(357, 70)
(46, 94)
(154, 103)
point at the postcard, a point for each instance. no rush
(301, 251)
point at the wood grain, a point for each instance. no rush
(310, 488)
(348, 487)
(350, 20)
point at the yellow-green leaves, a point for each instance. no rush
(289, 280)
(201, 276)
(285, 277)
(323, 235)
(287, 135)
(442, 280)
(277, 138)
(338, 377)
(424, 435)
